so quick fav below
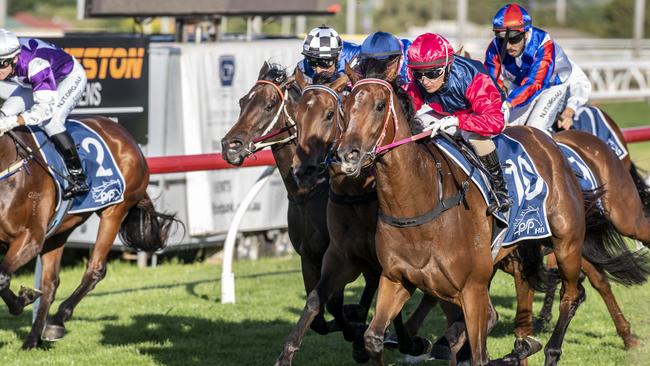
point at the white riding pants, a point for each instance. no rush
(542, 111)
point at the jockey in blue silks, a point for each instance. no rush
(325, 53)
(536, 78)
(383, 47)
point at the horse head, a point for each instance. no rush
(263, 108)
(318, 115)
(371, 120)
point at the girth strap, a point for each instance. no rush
(442, 206)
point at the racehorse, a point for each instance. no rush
(351, 219)
(265, 119)
(29, 199)
(448, 256)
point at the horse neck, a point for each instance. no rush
(283, 155)
(8, 152)
(407, 181)
(345, 185)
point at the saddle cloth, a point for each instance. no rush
(526, 219)
(103, 176)
(591, 120)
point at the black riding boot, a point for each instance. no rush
(503, 201)
(66, 147)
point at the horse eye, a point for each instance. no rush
(330, 114)
(380, 107)
(268, 107)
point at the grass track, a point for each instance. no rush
(171, 315)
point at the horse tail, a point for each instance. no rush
(606, 249)
(533, 271)
(641, 187)
(144, 228)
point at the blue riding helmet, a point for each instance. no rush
(380, 45)
(512, 17)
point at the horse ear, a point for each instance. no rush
(300, 79)
(264, 70)
(340, 83)
(354, 77)
(392, 70)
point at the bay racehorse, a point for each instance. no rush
(351, 219)
(449, 255)
(29, 198)
(265, 119)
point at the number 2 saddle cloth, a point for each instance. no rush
(527, 218)
(103, 175)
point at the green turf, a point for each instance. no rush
(171, 315)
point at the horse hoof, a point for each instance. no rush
(28, 295)
(631, 342)
(440, 352)
(390, 340)
(421, 346)
(360, 355)
(29, 344)
(53, 332)
(526, 347)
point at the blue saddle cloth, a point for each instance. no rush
(591, 120)
(585, 176)
(103, 176)
(527, 217)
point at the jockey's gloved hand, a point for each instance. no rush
(7, 123)
(448, 124)
(505, 109)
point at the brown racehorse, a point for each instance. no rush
(449, 256)
(351, 219)
(263, 109)
(28, 205)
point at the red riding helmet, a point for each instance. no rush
(428, 51)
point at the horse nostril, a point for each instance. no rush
(352, 156)
(235, 144)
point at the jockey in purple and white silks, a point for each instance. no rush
(325, 53)
(50, 83)
(537, 79)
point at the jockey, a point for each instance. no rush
(325, 53)
(389, 51)
(459, 91)
(533, 72)
(50, 83)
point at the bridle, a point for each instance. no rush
(259, 142)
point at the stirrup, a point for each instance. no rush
(500, 204)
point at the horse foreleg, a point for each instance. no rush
(391, 298)
(21, 250)
(51, 264)
(109, 226)
(475, 302)
(600, 282)
(311, 270)
(569, 260)
(337, 272)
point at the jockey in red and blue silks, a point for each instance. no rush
(454, 93)
(532, 71)
(384, 48)
(325, 53)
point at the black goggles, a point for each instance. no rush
(514, 37)
(430, 74)
(6, 62)
(319, 62)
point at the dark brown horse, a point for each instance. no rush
(351, 219)
(448, 256)
(266, 110)
(28, 206)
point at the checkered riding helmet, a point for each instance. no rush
(322, 42)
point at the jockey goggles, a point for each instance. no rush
(320, 62)
(6, 62)
(430, 74)
(513, 39)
